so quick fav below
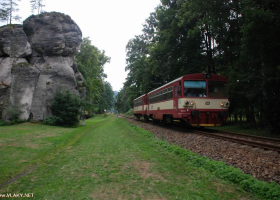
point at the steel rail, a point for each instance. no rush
(273, 140)
(241, 141)
(221, 135)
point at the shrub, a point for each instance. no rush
(130, 112)
(53, 120)
(13, 113)
(66, 109)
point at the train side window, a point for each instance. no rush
(170, 91)
(164, 95)
(156, 97)
(175, 92)
(160, 95)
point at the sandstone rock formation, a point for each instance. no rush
(53, 34)
(36, 60)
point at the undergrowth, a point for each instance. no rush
(220, 169)
(9, 123)
(130, 112)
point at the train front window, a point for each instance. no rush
(195, 89)
(217, 89)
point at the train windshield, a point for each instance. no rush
(217, 89)
(195, 89)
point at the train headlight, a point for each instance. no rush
(189, 103)
(225, 104)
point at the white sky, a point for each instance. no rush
(110, 24)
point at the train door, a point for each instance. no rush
(142, 105)
(175, 99)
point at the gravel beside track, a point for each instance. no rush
(261, 164)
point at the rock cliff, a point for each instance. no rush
(37, 59)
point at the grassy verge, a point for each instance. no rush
(22, 146)
(116, 160)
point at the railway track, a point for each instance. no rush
(250, 140)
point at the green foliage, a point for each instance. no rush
(53, 120)
(148, 170)
(105, 115)
(124, 99)
(238, 39)
(7, 12)
(91, 61)
(66, 109)
(8, 123)
(13, 113)
(130, 112)
(106, 101)
(37, 5)
(220, 169)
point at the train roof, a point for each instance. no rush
(205, 76)
(139, 97)
(166, 84)
(194, 77)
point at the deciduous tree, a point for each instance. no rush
(91, 63)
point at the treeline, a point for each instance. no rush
(236, 38)
(99, 93)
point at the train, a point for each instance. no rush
(199, 100)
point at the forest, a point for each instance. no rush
(235, 38)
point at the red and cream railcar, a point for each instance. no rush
(198, 99)
(140, 106)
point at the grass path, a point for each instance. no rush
(109, 159)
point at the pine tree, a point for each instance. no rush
(37, 5)
(9, 7)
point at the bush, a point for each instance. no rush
(53, 120)
(66, 109)
(13, 113)
(130, 112)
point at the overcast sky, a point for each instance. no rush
(110, 24)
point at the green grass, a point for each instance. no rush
(111, 159)
(22, 146)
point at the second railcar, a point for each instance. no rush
(140, 106)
